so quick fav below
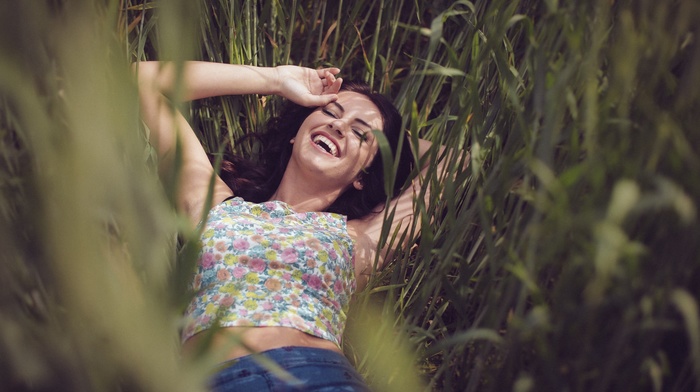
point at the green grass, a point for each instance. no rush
(564, 257)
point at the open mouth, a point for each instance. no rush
(326, 144)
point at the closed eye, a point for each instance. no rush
(360, 134)
(330, 113)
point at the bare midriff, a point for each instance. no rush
(225, 341)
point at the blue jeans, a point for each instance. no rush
(311, 369)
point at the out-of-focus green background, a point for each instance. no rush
(563, 258)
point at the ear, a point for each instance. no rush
(291, 141)
(358, 184)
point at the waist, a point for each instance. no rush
(236, 342)
(300, 369)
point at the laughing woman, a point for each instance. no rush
(288, 240)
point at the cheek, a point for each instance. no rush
(371, 151)
(366, 158)
(312, 121)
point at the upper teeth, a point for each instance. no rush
(326, 144)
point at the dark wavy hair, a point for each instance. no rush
(257, 180)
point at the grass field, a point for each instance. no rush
(563, 257)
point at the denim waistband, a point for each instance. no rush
(304, 368)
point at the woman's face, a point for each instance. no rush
(335, 142)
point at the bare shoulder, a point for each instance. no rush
(193, 192)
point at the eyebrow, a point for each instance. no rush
(342, 109)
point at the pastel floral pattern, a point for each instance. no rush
(267, 265)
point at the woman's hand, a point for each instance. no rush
(306, 86)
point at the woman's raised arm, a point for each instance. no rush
(167, 127)
(367, 231)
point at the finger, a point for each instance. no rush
(320, 100)
(334, 87)
(332, 70)
(326, 72)
(330, 78)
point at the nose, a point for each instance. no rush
(339, 127)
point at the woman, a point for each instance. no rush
(277, 270)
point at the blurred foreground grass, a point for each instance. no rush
(564, 258)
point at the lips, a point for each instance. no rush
(326, 143)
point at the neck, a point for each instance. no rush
(304, 197)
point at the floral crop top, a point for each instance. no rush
(267, 265)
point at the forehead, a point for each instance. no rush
(358, 106)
